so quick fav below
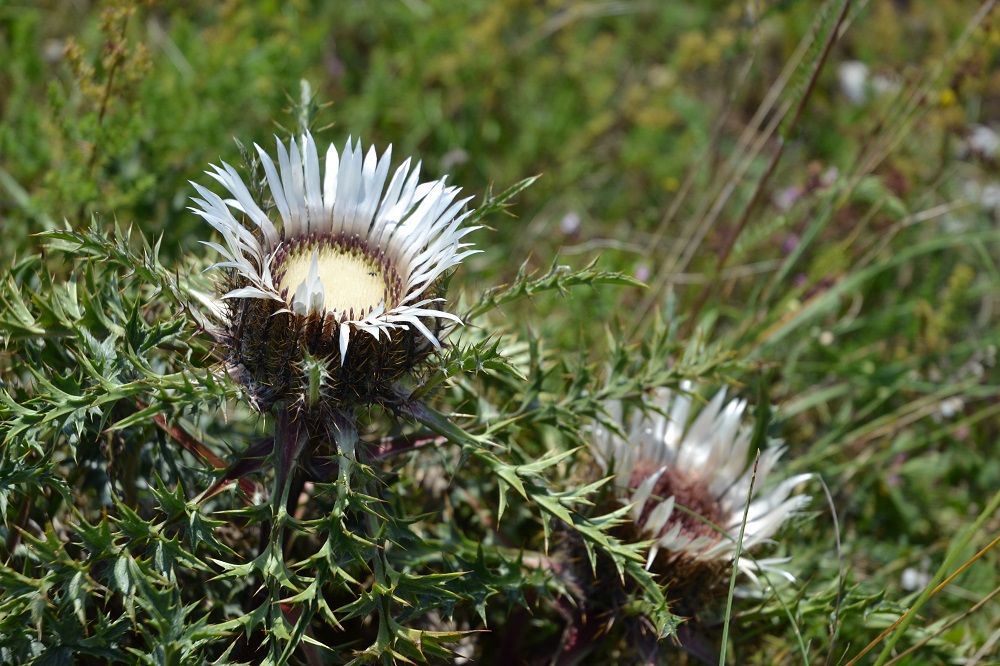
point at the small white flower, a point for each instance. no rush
(570, 223)
(984, 141)
(669, 460)
(914, 579)
(853, 78)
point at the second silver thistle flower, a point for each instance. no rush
(667, 461)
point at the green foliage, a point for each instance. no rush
(838, 266)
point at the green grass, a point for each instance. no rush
(832, 261)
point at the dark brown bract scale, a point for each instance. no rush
(266, 347)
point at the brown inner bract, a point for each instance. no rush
(688, 492)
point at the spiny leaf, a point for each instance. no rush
(559, 278)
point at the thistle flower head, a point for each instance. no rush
(353, 274)
(668, 461)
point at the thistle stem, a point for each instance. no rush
(346, 434)
(290, 438)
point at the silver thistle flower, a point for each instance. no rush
(353, 275)
(668, 460)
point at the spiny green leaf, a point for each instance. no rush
(559, 278)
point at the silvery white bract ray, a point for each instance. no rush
(348, 247)
(666, 460)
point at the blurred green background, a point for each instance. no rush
(859, 289)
